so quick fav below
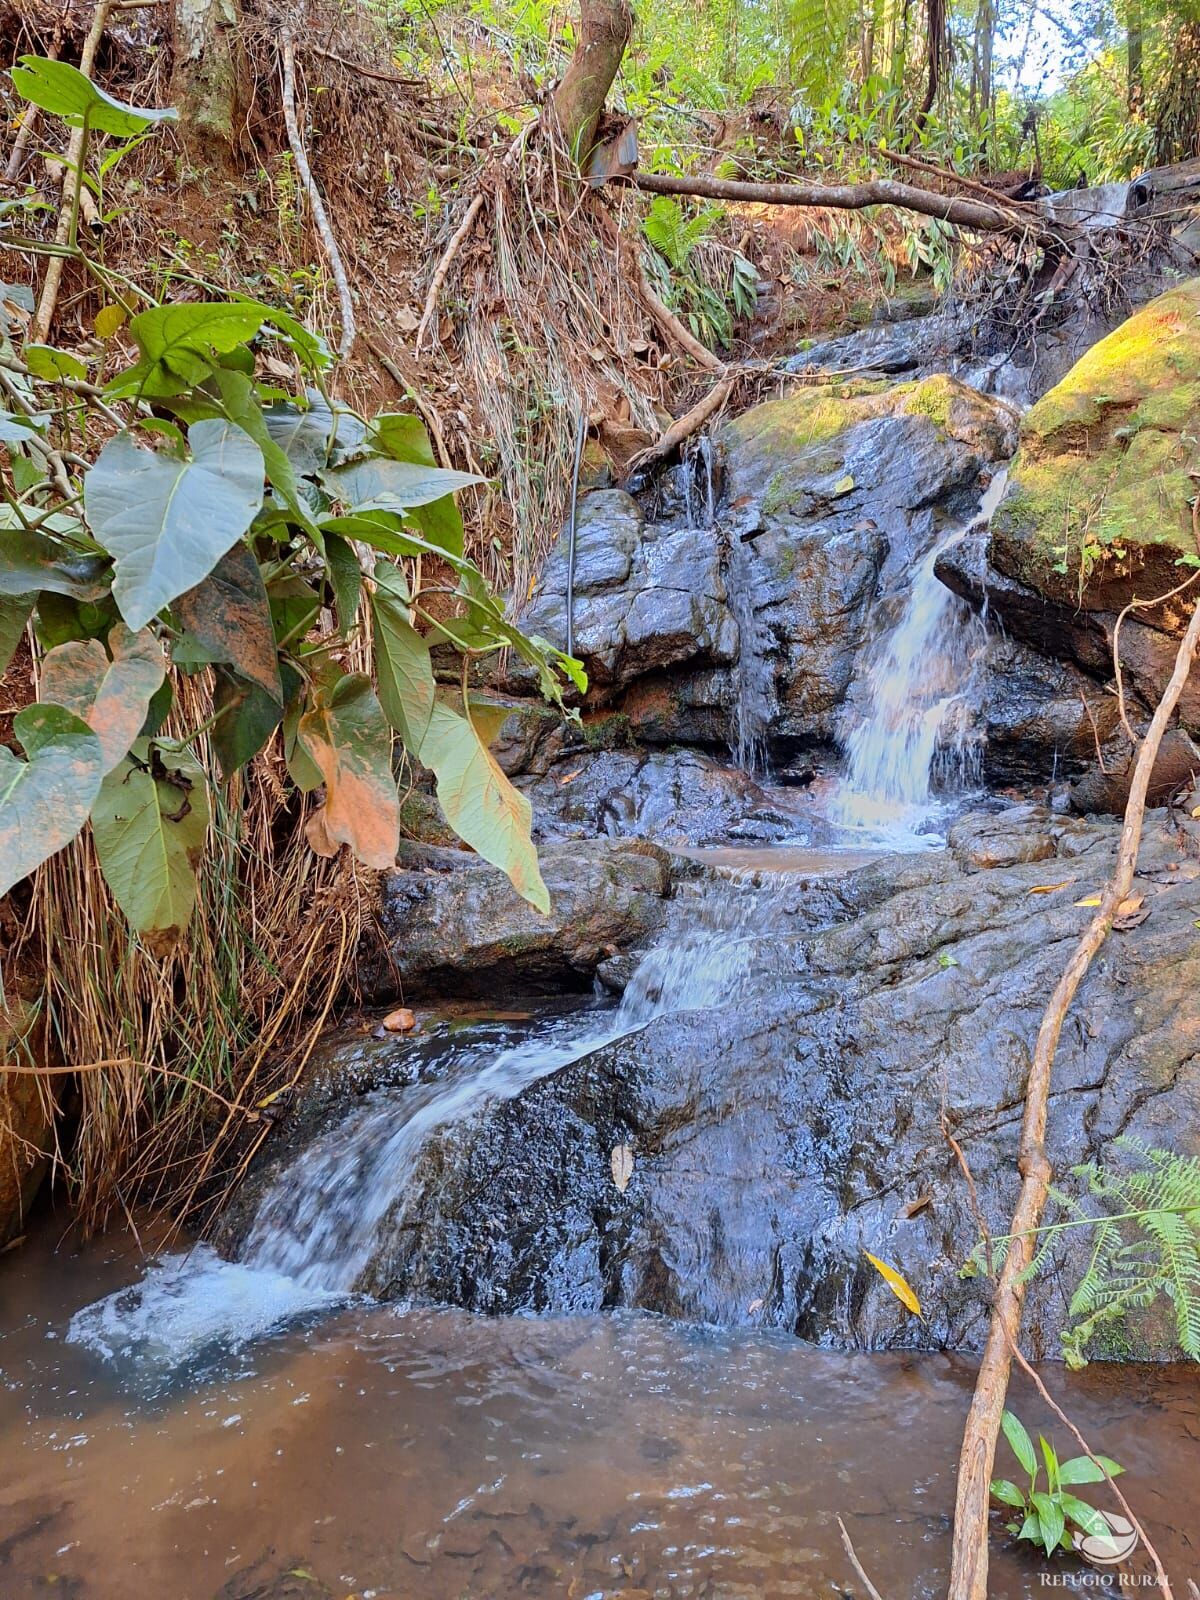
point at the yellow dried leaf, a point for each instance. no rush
(1089, 900)
(1196, 811)
(109, 319)
(1049, 888)
(1134, 903)
(895, 1283)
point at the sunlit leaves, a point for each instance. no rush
(45, 799)
(150, 824)
(168, 521)
(57, 87)
(479, 802)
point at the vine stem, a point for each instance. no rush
(969, 1555)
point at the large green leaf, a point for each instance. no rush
(402, 664)
(181, 342)
(45, 800)
(405, 438)
(112, 697)
(345, 579)
(378, 484)
(479, 802)
(167, 522)
(315, 435)
(57, 87)
(229, 615)
(345, 735)
(150, 824)
(246, 719)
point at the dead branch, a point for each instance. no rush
(39, 330)
(683, 427)
(320, 217)
(946, 175)
(363, 71)
(671, 325)
(872, 1591)
(457, 240)
(983, 216)
(969, 1556)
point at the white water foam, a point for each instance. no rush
(318, 1225)
(914, 743)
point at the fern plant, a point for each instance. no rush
(675, 234)
(1147, 1245)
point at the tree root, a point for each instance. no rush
(691, 422)
(458, 239)
(320, 217)
(969, 1556)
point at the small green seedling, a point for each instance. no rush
(1050, 1516)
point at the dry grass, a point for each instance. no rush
(171, 1055)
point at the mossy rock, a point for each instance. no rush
(802, 436)
(1098, 509)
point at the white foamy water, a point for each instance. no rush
(913, 740)
(318, 1226)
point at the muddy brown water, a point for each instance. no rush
(432, 1455)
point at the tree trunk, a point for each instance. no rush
(604, 30)
(210, 79)
(1136, 93)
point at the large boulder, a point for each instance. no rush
(804, 1118)
(451, 924)
(1098, 509)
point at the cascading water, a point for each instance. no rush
(317, 1227)
(913, 737)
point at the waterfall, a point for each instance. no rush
(913, 737)
(318, 1225)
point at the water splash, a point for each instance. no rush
(916, 739)
(318, 1226)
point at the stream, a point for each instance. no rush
(192, 1427)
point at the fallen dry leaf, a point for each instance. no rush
(400, 1021)
(317, 835)
(622, 1166)
(1049, 888)
(915, 1207)
(569, 777)
(896, 1283)
(755, 1305)
(1089, 900)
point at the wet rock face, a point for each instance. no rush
(26, 1131)
(776, 1136)
(821, 489)
(675, 797)
(452, 925)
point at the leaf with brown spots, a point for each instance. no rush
(150, 825)
(229, 614)
(346, 736)
(112, 697)
(45, 800)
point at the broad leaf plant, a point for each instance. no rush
(181, 516)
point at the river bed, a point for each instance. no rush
(432, 1455)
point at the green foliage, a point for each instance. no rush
(1049, 1516)
(1146, 1247)
(227, 529)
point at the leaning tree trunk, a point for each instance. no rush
(210, 80)
(604, 30)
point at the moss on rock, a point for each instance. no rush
(1098, 507)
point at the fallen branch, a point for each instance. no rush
(984, 216)
(320, 217)
(68, 212)
(930, 169)
(458, 239)
(683, 427)
(969, 1556)
(872, 1591)
(671, 325)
